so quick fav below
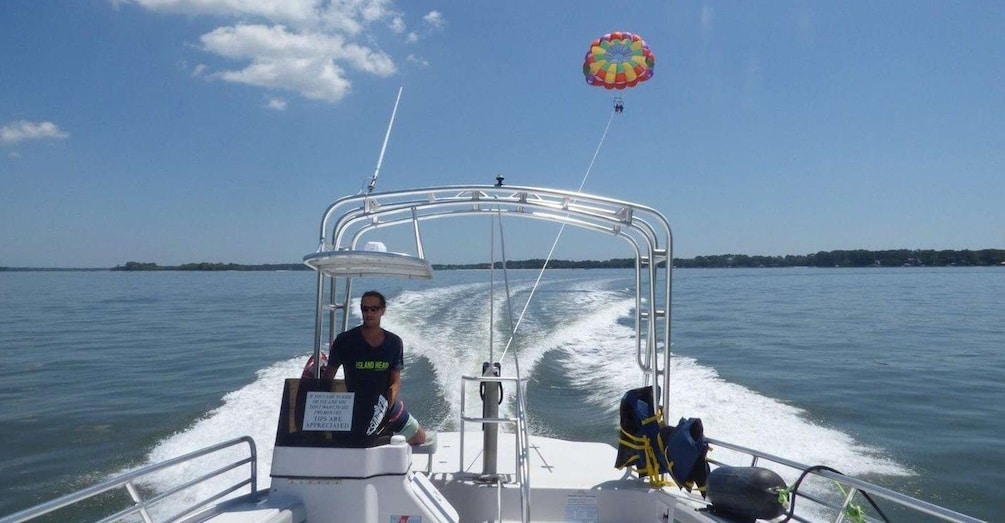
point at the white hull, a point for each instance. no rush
(572, 481)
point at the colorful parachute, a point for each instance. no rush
(618, 60)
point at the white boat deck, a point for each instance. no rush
(551, 460)
(569, 481)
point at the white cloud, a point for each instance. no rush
(276, 104)
(421, 62)
(310, 47)
(14, 155)
(348, 21)
(22, 130)
(288, 11)
(398, 25)
(314, 80)
(258, 42)
(301, 62)
(344, 16)
(434, 19)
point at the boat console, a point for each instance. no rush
(333, 452)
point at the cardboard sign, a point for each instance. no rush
(328, 411)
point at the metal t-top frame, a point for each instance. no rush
(347, 221)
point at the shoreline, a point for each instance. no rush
(822, 259)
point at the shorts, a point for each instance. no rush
(401, 422)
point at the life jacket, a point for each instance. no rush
(656, 450)
(640, 442)
(687, 453)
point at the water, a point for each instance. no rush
(893, 374)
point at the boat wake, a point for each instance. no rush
(588, 327)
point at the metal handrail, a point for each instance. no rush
(853, 485)
(646, 231)
(523, 452)
(522, 471)
(141, 506)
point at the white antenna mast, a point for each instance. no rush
(380, 159)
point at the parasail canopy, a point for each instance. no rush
(618, 60)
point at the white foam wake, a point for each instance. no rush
(729, 412)
(449, 326)
(252, 410)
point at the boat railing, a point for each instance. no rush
(348, 221)
(141, 506)
(518, 421)
(849, 487)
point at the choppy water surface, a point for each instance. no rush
(895, 374)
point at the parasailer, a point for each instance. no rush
(617, 61)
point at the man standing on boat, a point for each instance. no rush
(373, 359)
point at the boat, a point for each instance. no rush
(328, 466)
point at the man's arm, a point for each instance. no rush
(334, 362)
(394, 386)
(397, 363)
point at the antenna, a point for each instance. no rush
(380, 159)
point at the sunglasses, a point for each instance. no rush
(370, 308)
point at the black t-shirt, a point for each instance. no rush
(367, 369)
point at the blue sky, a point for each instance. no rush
(175, 131)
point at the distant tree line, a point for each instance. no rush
(50, 269)
(853, 258)
(537, 263)
(207, 266)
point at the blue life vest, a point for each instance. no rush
(655, 449)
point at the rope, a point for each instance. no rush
(854, 512)
(554, 244)
(509, 303)
(655, 478)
